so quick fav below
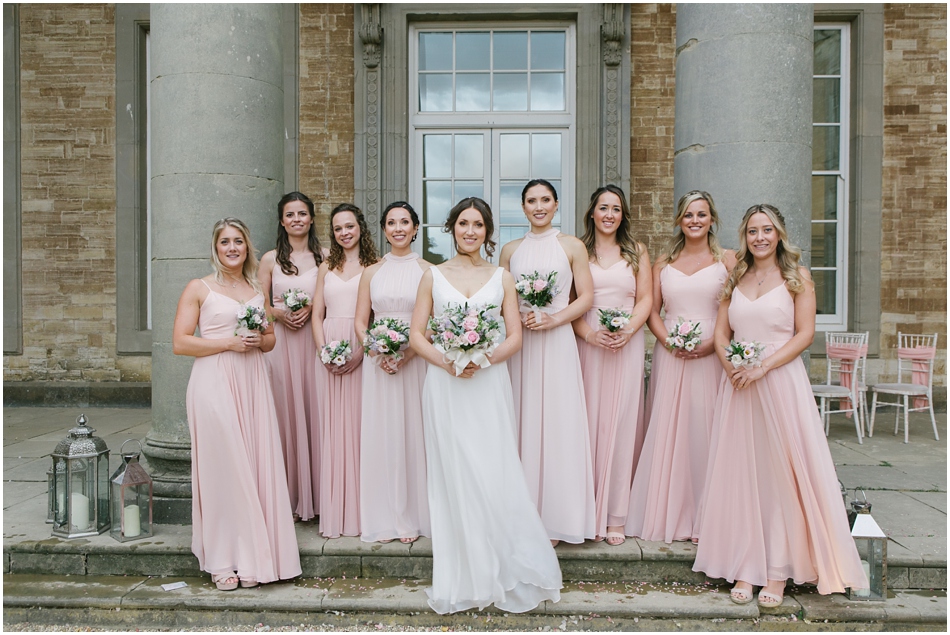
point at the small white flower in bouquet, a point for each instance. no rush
(748, 354)
(337, 352)
(249, 319)
(613, 319)
(685, 335)
(295, 299)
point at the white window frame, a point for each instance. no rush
(839, 320)
(494, 122)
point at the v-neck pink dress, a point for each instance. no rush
(550, 405)
(340, 397)
(613, 386)
(241, 519)
(671, 473)
(293, 379)
(772, 509)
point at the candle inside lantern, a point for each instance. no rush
(61, 502)
(133, 525)
(863, 593)
(80, 511)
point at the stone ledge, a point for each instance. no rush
(136, 394)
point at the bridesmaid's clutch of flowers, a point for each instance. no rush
(747, 354)
(387, 336)
(295, 299)
(685, 335)
(613, 319)
(250, 318)
(466, 334)
(536, 290)
(337, 352)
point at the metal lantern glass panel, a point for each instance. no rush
(131, 497)
(79, 481)
(872, 547)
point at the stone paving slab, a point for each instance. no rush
(937, 500)
(67, 591)
(904, 515)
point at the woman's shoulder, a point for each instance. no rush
(509, 247)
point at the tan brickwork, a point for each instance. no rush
(326, 107)
(652, 111)
(914, 222)
(67, 96)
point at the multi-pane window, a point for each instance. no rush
(830, 132)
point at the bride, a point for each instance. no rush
(488, 543)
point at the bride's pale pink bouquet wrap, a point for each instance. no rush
(465, 335)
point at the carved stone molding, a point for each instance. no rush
(368, 111)
(612, 32)
(371, 34)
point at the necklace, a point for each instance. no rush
(765, 277)
(234, 282)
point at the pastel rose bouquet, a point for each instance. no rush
(685, 335)
(249, 319)
(387, 336)
(337, 352)
(613, 319)
(466, 334)
(748, 354)
(537, 291)
(295, 299)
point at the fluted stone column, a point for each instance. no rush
(217, 150)
(744, 110)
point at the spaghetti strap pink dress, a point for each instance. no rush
(241, 518)
(340, 397)
(772, 509)
(613, 386)
(393, 499)
(293, 380)
(550, 405)
(671, 473)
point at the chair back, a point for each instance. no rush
(846, 355)
(915, 359)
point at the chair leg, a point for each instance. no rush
(824, 416)
(864, 410)
(873, 412)
(897, 416)
(856, 413)
(906, 418)
(933, 420)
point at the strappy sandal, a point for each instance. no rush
(770, 600)
(249, 583)
(615, 535)
(740, 596)
(225, 581)
(408, 541)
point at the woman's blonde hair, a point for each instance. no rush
(787, 255)
(629, 247)
(678, 241)
(249, 270)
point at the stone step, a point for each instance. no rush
(139, 602)
(168, 553)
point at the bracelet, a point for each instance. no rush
(586, 340)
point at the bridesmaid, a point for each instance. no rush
(772, 508)
(294, 265)
(612, 363)
(393, 499)
(687, 279)
(338, 387)
(242, 525)
(546, 374)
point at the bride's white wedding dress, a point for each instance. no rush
(488, 543)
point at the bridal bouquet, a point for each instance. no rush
(465, 334)
(537, 291)
(747, 354)
(685, 335)
(387, 336)
(250, 318)
(337, 352)
(295, 299)
(613, 319)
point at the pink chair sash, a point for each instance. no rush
(920, 355)
(848, 354)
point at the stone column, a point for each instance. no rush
(744, 110)
(217, 140)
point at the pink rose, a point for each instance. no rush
(540, 285)
(470, 323)
(332, 345)
(393, 335)
(472, 337)
(684, 328)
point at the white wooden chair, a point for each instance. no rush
(841, 378)
(854, 340)
(915, 361)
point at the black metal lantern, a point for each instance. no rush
(79, 482)
(131, 497)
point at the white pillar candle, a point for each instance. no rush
(133, 526)
(80, 511)
(863, 593)
(61, 501)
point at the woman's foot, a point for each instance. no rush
(248, 583)
(741, 593)
(555, 543)
(385, 540)
(772, 594)
(225, 581)
(408, 541)
(615, 536)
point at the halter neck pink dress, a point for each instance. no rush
(340, 397)
(550, 405)
(613, 385)
(671, 473)
(293, 379)
(393, 499)
(241, 518)
(772, 509)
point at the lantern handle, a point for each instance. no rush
(122, 447)
(863, 495)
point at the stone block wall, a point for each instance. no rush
(914, 223)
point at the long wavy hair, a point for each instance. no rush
(283, 240)
(787, 255)
(368, 254)
(249, 270)
(678, 241)
(472, 202)
(629, 247)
